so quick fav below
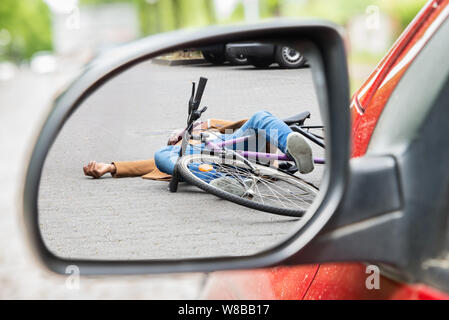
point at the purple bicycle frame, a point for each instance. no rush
(253, 154)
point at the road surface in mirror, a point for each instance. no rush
(130, 118)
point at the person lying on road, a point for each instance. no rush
(161, 167)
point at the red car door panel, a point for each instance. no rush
(369, 101)
(345, 281)
(274, 283)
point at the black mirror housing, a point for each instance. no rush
(323, 45)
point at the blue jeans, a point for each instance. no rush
(262, 123)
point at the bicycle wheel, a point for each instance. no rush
(266, 188)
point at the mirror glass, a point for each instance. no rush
(108, 185)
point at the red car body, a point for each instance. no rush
(345, 281)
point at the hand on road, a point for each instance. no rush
(96, 170)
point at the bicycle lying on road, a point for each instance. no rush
(268, 180)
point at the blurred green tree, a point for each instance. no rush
(238, 14)
(341, 11)
(404, 11)
(164, 15)
(26, 26)
(270, 8)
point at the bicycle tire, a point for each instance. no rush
(190, 177)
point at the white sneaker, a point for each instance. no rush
(299, 150)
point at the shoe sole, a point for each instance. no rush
(300, 151)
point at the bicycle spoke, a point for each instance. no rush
(267, 185)
(274, 191)
(292, 193)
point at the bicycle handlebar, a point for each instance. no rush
(192, 97)
(195, 100)
(199, 92)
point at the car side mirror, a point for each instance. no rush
(322, 46)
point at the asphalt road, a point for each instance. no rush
(129, 118)
(25, 102)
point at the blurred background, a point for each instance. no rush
(52, 35)
(45, 43)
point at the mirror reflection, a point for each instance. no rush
(202, 152)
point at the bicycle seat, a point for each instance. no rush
(297, 119)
